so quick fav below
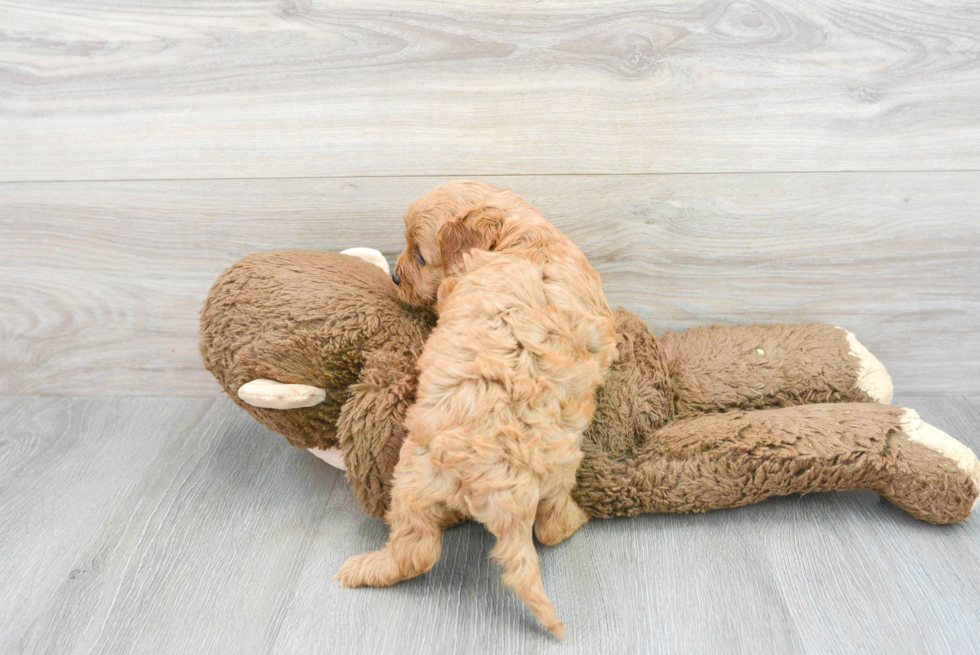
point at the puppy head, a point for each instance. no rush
(440, 227)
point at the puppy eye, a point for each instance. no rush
(419, 257)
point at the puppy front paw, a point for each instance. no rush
(374, 569)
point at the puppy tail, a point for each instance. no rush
(511, 520)
(515, 552)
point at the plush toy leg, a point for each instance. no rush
(931, 468)
(872, 378)
(741, 457)
(720, 368)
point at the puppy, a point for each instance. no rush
(506, 386)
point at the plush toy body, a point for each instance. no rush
(686, 422)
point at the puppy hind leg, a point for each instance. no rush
(558, 518)
(416, 517)
(515, 552)
(558, 515)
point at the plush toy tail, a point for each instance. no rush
(741, 457)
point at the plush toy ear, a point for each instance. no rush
(277, 395)
(371, 256)
(477, 229)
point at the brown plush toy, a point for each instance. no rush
(316, 346)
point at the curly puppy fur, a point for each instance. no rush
(506, 388)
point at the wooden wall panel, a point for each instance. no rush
(100, 282)
(141, 89)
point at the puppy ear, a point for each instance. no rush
(477, 229)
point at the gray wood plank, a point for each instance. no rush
(140, 89)
(101, 283)
(856, 564)
(65, 466)
(224, 539)
(200, 556)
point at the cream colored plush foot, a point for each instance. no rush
(371, 256)
(873, 379)
(932, 437)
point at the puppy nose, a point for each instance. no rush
(394, 278)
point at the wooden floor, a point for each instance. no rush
(166, 525)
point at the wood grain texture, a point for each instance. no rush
(65, 468)
(100, 283)
(222, 538)
(141, 89)
(196, 546)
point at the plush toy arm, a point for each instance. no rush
(720, 368)
(371, 427)
(735, 458)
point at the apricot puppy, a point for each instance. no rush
(506, 387)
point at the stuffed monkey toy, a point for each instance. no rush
(316, 346)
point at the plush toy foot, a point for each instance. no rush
(374, 569)
(872, 378)
(938, 478)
